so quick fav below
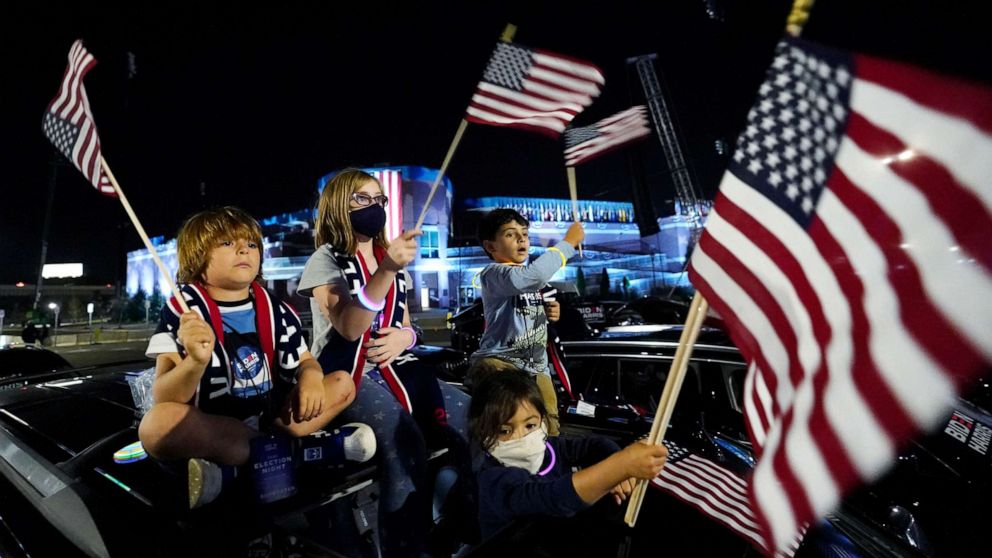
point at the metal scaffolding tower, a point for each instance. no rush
(686, 193)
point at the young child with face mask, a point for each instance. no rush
(524, 472)
(358, 292)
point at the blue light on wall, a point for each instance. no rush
(558, 210)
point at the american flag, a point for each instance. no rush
(68, 122)
(848, 254)
(533, 89)
(589, 142)
(392, 188)
(713, 490)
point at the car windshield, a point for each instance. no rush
(22, 360)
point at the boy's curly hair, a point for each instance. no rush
(202, 232)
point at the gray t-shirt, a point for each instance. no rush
(516, 324)
(321, 269)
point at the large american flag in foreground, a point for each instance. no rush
(69, 125)
(589, 142)
(713, 490)
(533, 89)
(848, 253)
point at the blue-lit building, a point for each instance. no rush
(443, 273)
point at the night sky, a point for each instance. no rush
(249, 106)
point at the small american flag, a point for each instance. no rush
(533, 89)
(589, 142)
(69, 125)
(848, 254)
(714, 491)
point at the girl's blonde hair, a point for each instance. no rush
(202, 232)
(333, 225)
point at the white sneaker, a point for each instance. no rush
(205, 482)
(359, 444)
(351, 442)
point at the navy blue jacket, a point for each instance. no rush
(506, 493)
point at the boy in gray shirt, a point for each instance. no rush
(512, 299)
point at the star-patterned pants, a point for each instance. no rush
(405, 490)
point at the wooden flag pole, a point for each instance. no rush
(694, 321)
(670, 393)
(573, 191)
(440, 174)
(508, 32)
(144, 236)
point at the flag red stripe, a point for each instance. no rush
(76, 54)
(959, 209)
(931, 89)
(741, 337)
(529, 127)
(756, 290)
(517, 104)
(732, 499)
(921, 317)
(532, 113)
(570, 59)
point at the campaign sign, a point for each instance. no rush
(272, 468)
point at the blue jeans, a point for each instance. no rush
(405, 490)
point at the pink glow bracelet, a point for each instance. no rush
(365, 302)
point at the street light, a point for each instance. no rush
(55, 308)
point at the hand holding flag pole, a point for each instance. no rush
(573, 192)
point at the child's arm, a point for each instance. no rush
(508, 280)
(351, 319)
(391, 342)
(309, 400)
(639, 460)
(176, 378)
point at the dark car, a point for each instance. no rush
(648, 310)
(934, 502)
(19, 364)
(64, 492)
(468, 323)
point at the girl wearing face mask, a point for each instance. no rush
(524, 472)
(358, 290)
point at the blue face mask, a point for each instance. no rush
(368, 221)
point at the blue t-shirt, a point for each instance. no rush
(249, 372)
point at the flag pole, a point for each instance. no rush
(440, 173)
(670, 393)
(144, 236)
(573, 192)
(508, 32)
(690, 332)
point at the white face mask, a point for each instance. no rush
(526, 453)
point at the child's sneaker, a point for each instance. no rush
(352, 442)
(206, 479)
